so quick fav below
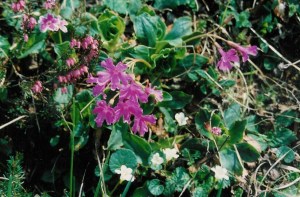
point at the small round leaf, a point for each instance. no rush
(122, 157)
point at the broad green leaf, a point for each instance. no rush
(145, 29)
(232, 114)
(161, 4)
(251, 124)
(247, 152)
(68, 7)
(62, 49)
(230, 161)
(92, 21)
(122, 157)
(281, 136)
(201, 119)
(290, 154)
(163, 143)
(111, 27)
(148, 29)
(124, 7)
(141, 192)
(63, 98)
(286, 118)
(236, 131)
(115, 140)
(181, 27)
(35, 43)
(179, 101)
(4, 47)
(139, 145)
(155, 187)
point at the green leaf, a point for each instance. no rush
(251, 124)
(54, 140)
(247, 152)
(63, 98)
(115, 140)
(124, 7)
(179, 101)
(177, 181)
(290, 154)
(181, 27)
(286, 118)
(4, 47)
(148, 29)
(232, 114)
(281, 136)
(227, 83)
(230, 161)
(139, 145)
(62, 49)
(242, 19)
(201, 119)
(162, 4)
(122, 157)
(155, 187)
(141, 192)
(111, 27)
(3, 94)
(145, 28)
(68, 7)
(35, 43)
(236, 131)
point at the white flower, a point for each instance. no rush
(181, 119)
(220, 173)
(126, 173)
(171, 153)
(156, 159)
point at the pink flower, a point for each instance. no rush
(70, 62)
(100, 86)
(245, 51)
(75, 43)
(140, 123)
(37, 87)
(32, 23)
(227, 59)
(48, 22)
(126, 109)
(134, 92)
(64, 90)
(18, 6)
(104, 112)
(216, 130)
(25, 36)
(28, 23)
(49, 4)
(62, 25)
(156, 93)
(113, 74)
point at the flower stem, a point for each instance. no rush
(116, 186)
(60, 37)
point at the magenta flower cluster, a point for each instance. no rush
(28, 24)
(231, 57)
(49, 4)
(52, 23)
(18, 6)
(130, 95)
(37, 87)
(89, 47)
